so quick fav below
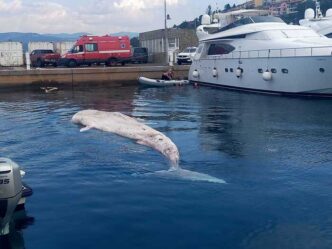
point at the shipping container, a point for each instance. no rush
(40, 45)
(63, 47)
(11, 54)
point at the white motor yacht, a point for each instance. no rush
(315, 20)
(255, 52)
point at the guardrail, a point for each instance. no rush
(277, 53)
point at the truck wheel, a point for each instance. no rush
(123, 63)
(39, 63)
(111, 62)
(179, 62)
(72, 63)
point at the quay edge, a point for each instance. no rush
(111, 76)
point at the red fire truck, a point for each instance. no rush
(107, 49)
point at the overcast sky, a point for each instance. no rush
(97, 16)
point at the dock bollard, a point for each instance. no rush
(27, 60)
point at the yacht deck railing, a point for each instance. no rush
(278, 53)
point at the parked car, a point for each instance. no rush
(140, 55)
(186, 56)
(43, 57)
(91, 49)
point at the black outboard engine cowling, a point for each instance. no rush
(10, 192)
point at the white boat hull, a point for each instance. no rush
(306, 75)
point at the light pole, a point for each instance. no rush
(166, 34)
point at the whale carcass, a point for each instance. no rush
(123, 125)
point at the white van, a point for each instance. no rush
(186, 56)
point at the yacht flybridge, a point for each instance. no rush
(249, 50)
(314, 19)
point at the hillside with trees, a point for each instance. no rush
(294, 16)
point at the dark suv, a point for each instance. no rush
(140, 55)
(42, 57)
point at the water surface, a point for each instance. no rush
(90, 190)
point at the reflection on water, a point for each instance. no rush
(274, 153)
(281, 236)
(19, 222)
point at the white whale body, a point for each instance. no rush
(126, 126)
(123, 125)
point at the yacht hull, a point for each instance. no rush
(289, 75)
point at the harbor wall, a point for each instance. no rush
(84, 76)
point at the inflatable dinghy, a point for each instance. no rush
(160, 83)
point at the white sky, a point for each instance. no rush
(97, 16)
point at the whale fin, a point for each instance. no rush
(184, 174)
(86, 128)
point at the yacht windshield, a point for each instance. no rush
(248, 20)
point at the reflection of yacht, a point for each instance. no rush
(316, 21)
(255, 52)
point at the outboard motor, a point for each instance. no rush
(11, 192)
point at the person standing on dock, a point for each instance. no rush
(168, 75)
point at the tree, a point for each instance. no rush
(134, 42)
(227, 6)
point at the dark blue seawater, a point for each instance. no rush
(91, 190)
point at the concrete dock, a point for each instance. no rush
(20, 77)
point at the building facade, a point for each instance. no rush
(178, 40)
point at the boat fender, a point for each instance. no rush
(195, 74)
(267, 75)
(239, 72)
(215, 73)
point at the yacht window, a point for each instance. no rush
(217, 49)
(260, 70)
(322, 70)
(237, 23)
(248, 20)
(284, 70)
(273, 70)
(231, 69)
(226, 70)
(329, 35)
